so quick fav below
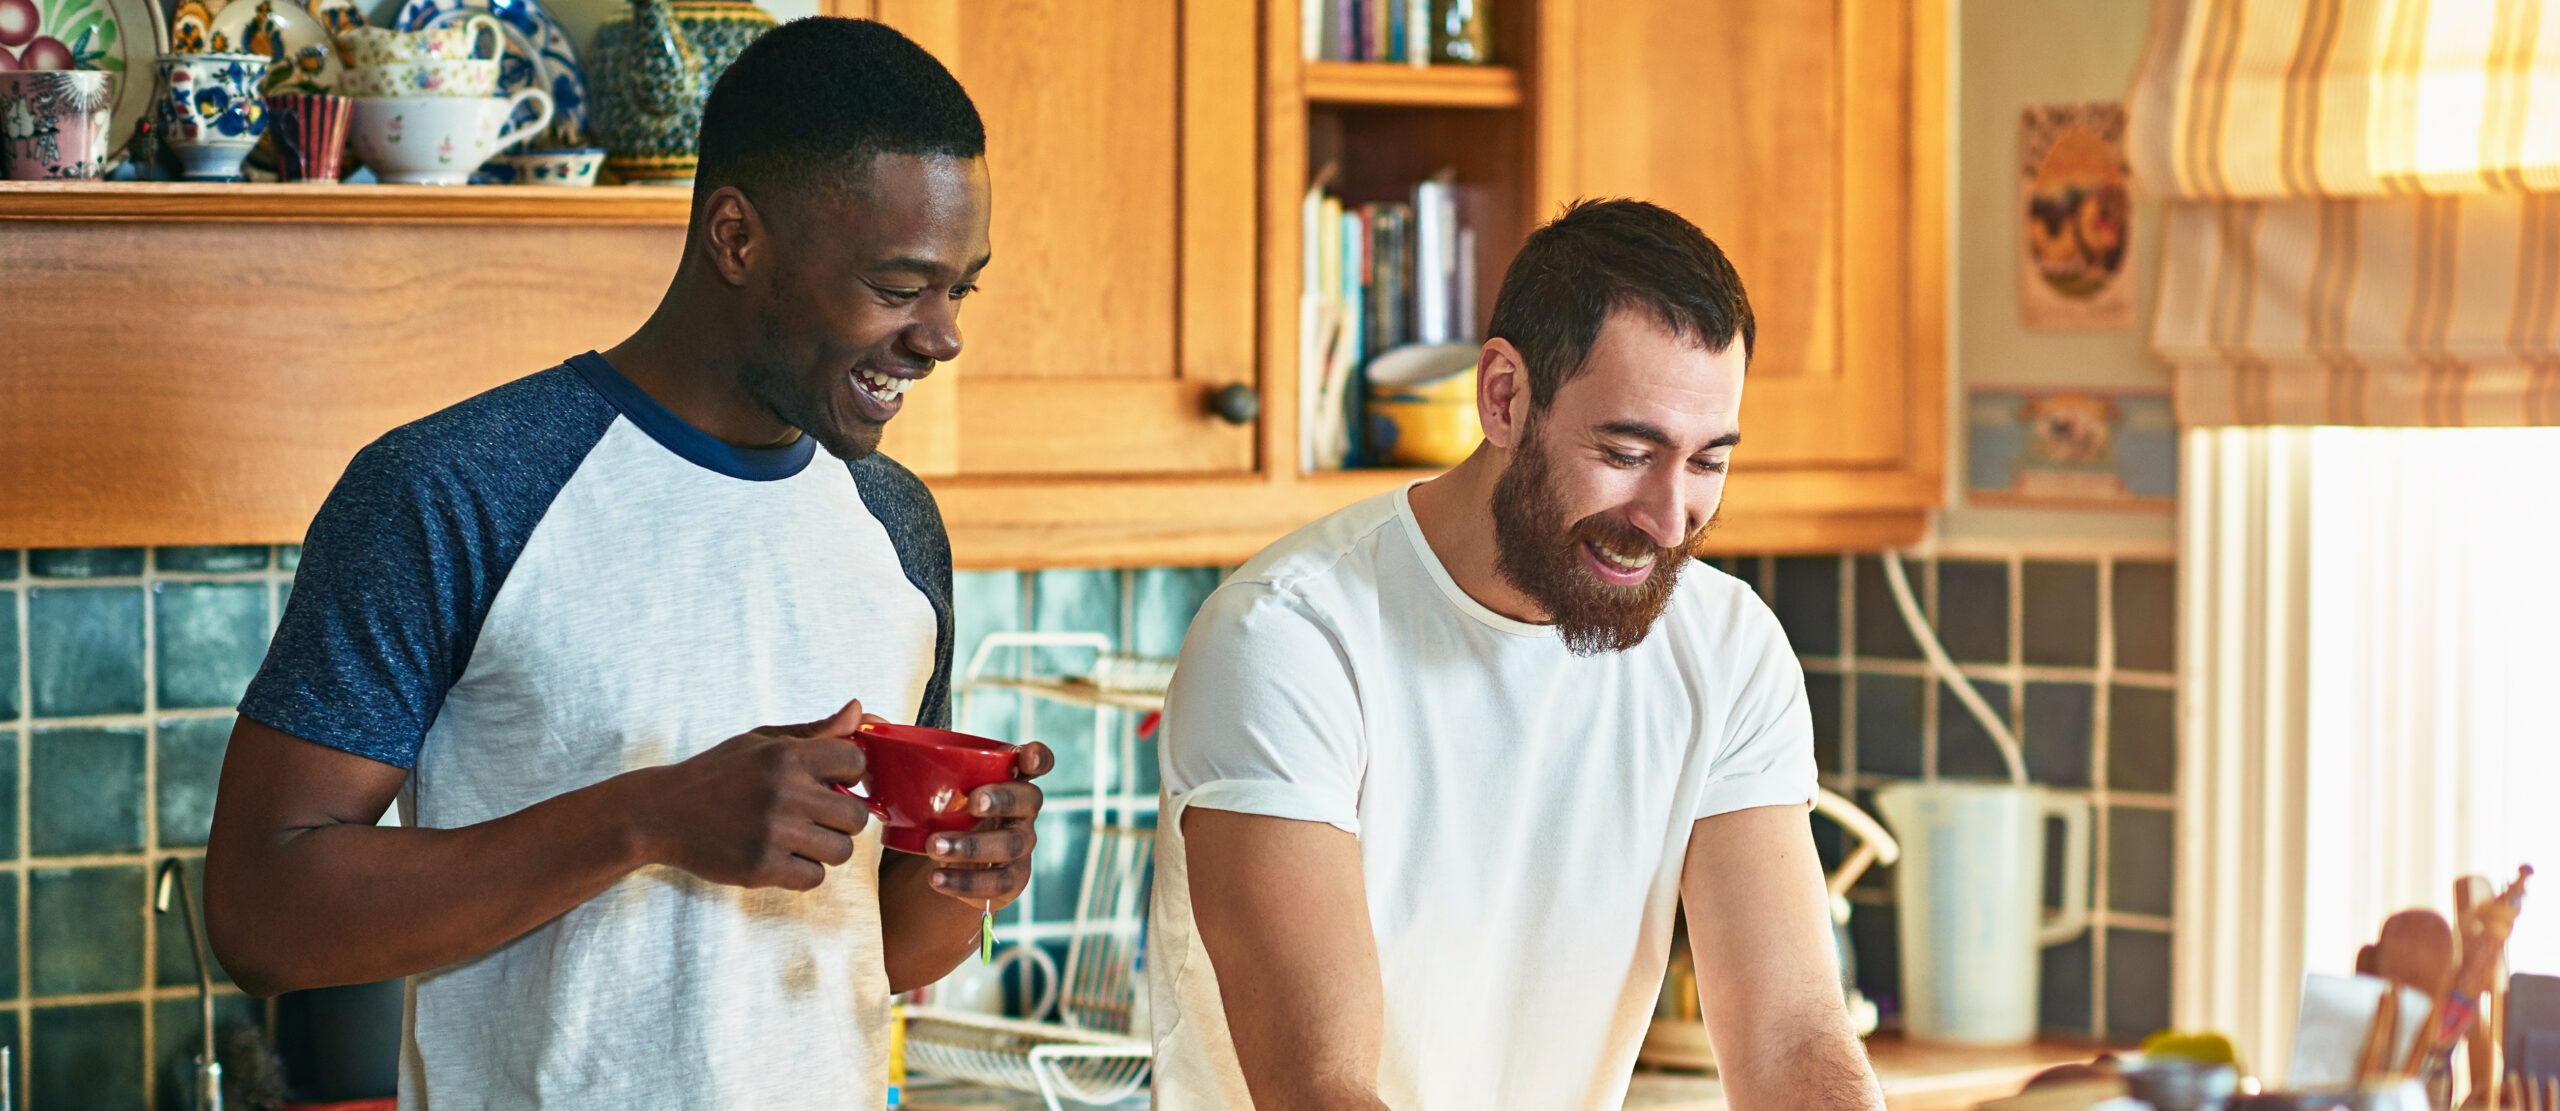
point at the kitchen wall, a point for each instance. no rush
(2076, 656)
(118, 672)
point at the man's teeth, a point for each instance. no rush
(1620, 562)
(881, 384)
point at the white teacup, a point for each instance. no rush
(478, 35)
(458, 77)
(437, 140)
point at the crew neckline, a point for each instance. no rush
(753, 464)
(1449, 587)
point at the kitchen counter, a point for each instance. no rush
(1915, 1078)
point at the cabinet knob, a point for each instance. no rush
(1236, 403)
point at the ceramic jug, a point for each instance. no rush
(1969, 894)
(657, 65)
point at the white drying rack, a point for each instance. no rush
(1086, 1055)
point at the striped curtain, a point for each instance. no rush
(2363, 224)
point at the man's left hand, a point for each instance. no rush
(990, 864)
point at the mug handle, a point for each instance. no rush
(486, 26)
(879, 810)
(2073, 918)
(511, 138)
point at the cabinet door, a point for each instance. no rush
(1121, 292)
(1804, 139)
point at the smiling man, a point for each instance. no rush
(561, 621)
(1439, 767)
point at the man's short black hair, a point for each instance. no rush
(1601, 256)
(808, 105)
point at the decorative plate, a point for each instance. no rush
(191, 28)
(305, 56)
(117, 36)
(337, 15)
(538, 54)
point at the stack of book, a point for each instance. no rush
(1368, 30)
(1378, 277)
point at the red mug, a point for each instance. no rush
(918, 779)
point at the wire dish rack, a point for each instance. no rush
(1087, 1054)
(1053, 1059)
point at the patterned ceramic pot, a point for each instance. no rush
(654, 69)
(556, 167)
(209, 111)
(438, 140)
(54, 124)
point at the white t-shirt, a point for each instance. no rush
(1523, 813)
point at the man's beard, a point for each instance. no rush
(1540, 553)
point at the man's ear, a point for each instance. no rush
(734, 234)
(1502, 393)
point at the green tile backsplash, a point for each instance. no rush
(87, 1056)
(85, 791)
(84, 650)
(87, 926)
(190, 755)
(118, 671)
(209, 638)
(84, 563)
(236, 557)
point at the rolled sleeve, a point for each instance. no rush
(1765, 757)
(1263, 715)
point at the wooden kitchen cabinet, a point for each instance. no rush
(195, 364)
(1121, 295)
(1808, 140)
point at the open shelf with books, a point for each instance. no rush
(1403, 147)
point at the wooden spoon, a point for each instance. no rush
(2418, 949)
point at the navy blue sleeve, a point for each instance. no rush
(906, 508)
(404, 558)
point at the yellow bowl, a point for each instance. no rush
(1429, 424)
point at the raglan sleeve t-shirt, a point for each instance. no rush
(560, 581)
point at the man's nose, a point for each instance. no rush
(1661, 507)
(935, 334)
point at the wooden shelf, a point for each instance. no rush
(1391, 85)
(382, 204)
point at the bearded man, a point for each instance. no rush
(1439, 767)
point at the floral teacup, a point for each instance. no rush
(572, 166)
(438, 140)
(209, 111)
(475, 36)
(444, 77)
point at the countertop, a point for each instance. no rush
(1915, 1078)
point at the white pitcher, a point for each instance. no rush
(1970, 889)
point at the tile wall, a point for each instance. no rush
(2079, 655)
(119, 668)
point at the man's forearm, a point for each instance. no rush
(1822, 1070)
(349, 902)
(924, 933)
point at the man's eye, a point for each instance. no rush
(961, 292)
(895, 295)
(1707, 466)
(1622, 459)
